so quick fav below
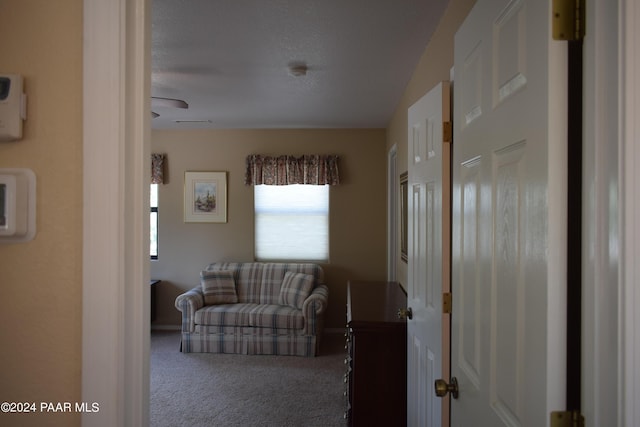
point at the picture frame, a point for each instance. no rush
(404, 208)
(205, 196)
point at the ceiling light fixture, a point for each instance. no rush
(168, 102)
(192, 121)
(157, 101)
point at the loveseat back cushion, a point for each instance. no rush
(248, 278)
(260, 283)
(273, 275)
(295, 288)
(218, 287)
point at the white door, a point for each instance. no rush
(509, 215)
(428, 254)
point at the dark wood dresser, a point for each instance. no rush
(376, 363)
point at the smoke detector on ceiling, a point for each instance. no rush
(298, 70)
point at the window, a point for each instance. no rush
(292, 222)
(153, 222)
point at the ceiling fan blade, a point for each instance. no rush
(168, 102)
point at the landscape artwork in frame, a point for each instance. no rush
(205, 197)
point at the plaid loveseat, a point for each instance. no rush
(255, 308)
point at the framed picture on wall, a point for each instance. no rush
(404, 207)
(205, 196)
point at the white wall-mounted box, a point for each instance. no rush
(13, 107)
(17, 205)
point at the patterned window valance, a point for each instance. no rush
(286, 170)
(157, 168)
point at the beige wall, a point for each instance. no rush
(41, 281)
(434, 67)
(357, 207)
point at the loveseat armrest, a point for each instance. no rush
(188, 303)
(313, 309)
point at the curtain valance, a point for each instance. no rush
(157, 168)
(286, 170)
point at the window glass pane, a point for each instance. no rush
(153, 222)
(153, 201)
(153, 228)
(292, 222)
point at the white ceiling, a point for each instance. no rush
(229, 60)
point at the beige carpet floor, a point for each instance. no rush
(201, 389)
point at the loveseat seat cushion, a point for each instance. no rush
(255, 315)
(276, 317)
(225, 315)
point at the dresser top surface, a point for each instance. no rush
(374, 302)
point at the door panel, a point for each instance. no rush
(428, 257)
(469, 283)
(508, 269)
(507, 293)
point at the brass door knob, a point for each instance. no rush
(442, 388)
(405, 313)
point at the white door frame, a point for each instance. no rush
(611, 373)
(116, 163)
(629, 90)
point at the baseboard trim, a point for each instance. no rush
(166, 327)
(337, 331)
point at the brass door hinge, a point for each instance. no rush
(446, 303)
(447, 132)
(567, 419)
(568, 20)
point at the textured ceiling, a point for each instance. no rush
(229, 60)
